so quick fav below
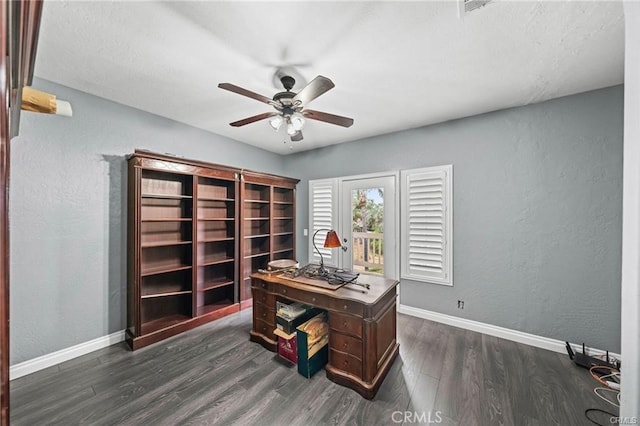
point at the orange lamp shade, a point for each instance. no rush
(332, 240)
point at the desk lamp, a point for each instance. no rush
(330, 241)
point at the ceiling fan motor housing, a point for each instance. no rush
(288, 82)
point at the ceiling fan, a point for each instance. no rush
(290, 106)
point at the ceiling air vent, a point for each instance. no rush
(466, 6)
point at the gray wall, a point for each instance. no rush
(537, 206)
(68, 231)
(537, 212)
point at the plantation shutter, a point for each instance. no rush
(426, 225)
(323, 214)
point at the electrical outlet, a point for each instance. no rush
(460, 304)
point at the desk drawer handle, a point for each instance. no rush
(284, 291)
(264, 285)
(346, 345)
(345, 324)
(345, 307)
(264, 315)
(313, 299)
(346, 363)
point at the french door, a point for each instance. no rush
(363, 210)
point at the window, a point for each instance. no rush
(426, 224)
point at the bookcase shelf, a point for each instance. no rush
(167, 219)
(166, 196)
(172, 293)
(215, 284)
(164, 244)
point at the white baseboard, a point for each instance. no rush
(45, 361)
(504, 333)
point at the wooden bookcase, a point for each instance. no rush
(267, 225)
(165, 205)
(195, 231)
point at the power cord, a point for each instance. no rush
(602, 372)
(609, 377)
(589, 410)
(604, 398)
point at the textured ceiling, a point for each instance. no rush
(396, 65)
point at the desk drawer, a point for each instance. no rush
(347, 324)
(261, 285)
(264, 298)
(346, 306)
(345, 362)
(292, 293)
(345, 343)
(264, 313)
(264, 328)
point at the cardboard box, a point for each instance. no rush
(287, 345)
(288, 324)
(313, 345)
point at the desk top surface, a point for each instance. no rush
(378, 287)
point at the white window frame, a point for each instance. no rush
(441, 271)
(327, 219)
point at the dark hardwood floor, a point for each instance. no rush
(215, 375)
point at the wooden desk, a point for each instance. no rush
(362, 327)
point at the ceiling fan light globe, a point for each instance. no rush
(291, 130)
(276, 122)
(297, 121)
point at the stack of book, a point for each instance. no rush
(300, 330)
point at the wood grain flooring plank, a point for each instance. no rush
(423, 396)
(412, 345)
(341, 411)
(447, 398)
(496, 409)
(543, 400)
(472, 385)
(437, 336)
(517, 384)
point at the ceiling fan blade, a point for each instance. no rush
(315, 88)
(253, 119)
(297, 136)
(248, 93)
(328, 118)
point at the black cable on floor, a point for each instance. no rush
(589, 410)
